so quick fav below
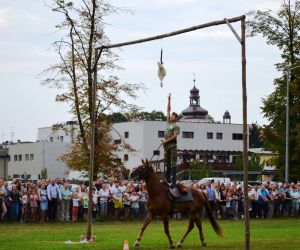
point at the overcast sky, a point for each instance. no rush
(214, 55)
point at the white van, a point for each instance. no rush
(214, 180)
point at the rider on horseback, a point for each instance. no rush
(170, 145)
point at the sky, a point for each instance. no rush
(27, 29)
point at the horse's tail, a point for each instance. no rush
(211, 218)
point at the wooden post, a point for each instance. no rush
(92, 151)
(245, 137)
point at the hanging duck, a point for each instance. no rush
(161, 70)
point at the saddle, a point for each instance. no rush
(180, 193)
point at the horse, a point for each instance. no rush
(160, 205)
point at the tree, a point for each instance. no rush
(255, 136)
(83, 29)
(152, 116)
(118, 117)
(44, 173)
(282, 29)
(200, 170)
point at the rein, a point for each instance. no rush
(156, 150)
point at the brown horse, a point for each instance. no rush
(160, 205)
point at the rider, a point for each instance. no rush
(170, 145)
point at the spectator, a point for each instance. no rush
(126, 204)
(24, 205)
(85, 202)
(75, 204)
(43, 202)
(211, 194)
(54, 196)
(263, 200)
(103, 197)
(143, 199)
(14, 198)
(222, 203)
(234, 203)
(273, 198)
(33, 198)
(117, 196)
(295, 195)
(95, 198)
(66, 195)
(2, 199)
(134, 205)
(287, 201)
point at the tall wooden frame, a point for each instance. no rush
(242, 40)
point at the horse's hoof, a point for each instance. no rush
(179, 245)
(136, 243)
(172, 246)
(203, 244)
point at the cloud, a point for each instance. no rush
(4, 17)
(268, 5)
(32, 17)
(159, 3)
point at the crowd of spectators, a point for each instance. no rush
(59, 200)
(266, 200)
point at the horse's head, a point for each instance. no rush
(142, 172)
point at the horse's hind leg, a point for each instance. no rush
(145, 224)
(166, 226)
(199, 225)
(190, 227)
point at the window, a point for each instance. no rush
(126, 157)
(61, 138)
(51, 139)
(31, 157)
(117, 141)
(25, 176)
(16, 176)
(27, 157)
(237, 136)
(156, 152)
(219, 136)
(161, 134)
(126, 134)
(210, 135)
(15, 158)
(186, 134)
(118, 160)
(19, 157)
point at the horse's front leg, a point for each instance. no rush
(145, 224)
(166, 225)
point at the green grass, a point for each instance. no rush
(265, 234)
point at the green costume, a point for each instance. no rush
(170, 152)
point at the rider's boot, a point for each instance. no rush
(173, 172)
(168, 175)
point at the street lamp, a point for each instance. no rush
(287, 121)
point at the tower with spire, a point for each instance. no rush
(195, 113)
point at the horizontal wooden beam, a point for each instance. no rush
(174, 33)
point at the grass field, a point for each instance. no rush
(265, 234)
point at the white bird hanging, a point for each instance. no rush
(161, 69)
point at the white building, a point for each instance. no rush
(3, 161)
(29, 158)
(146, 136)
(196, 133)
